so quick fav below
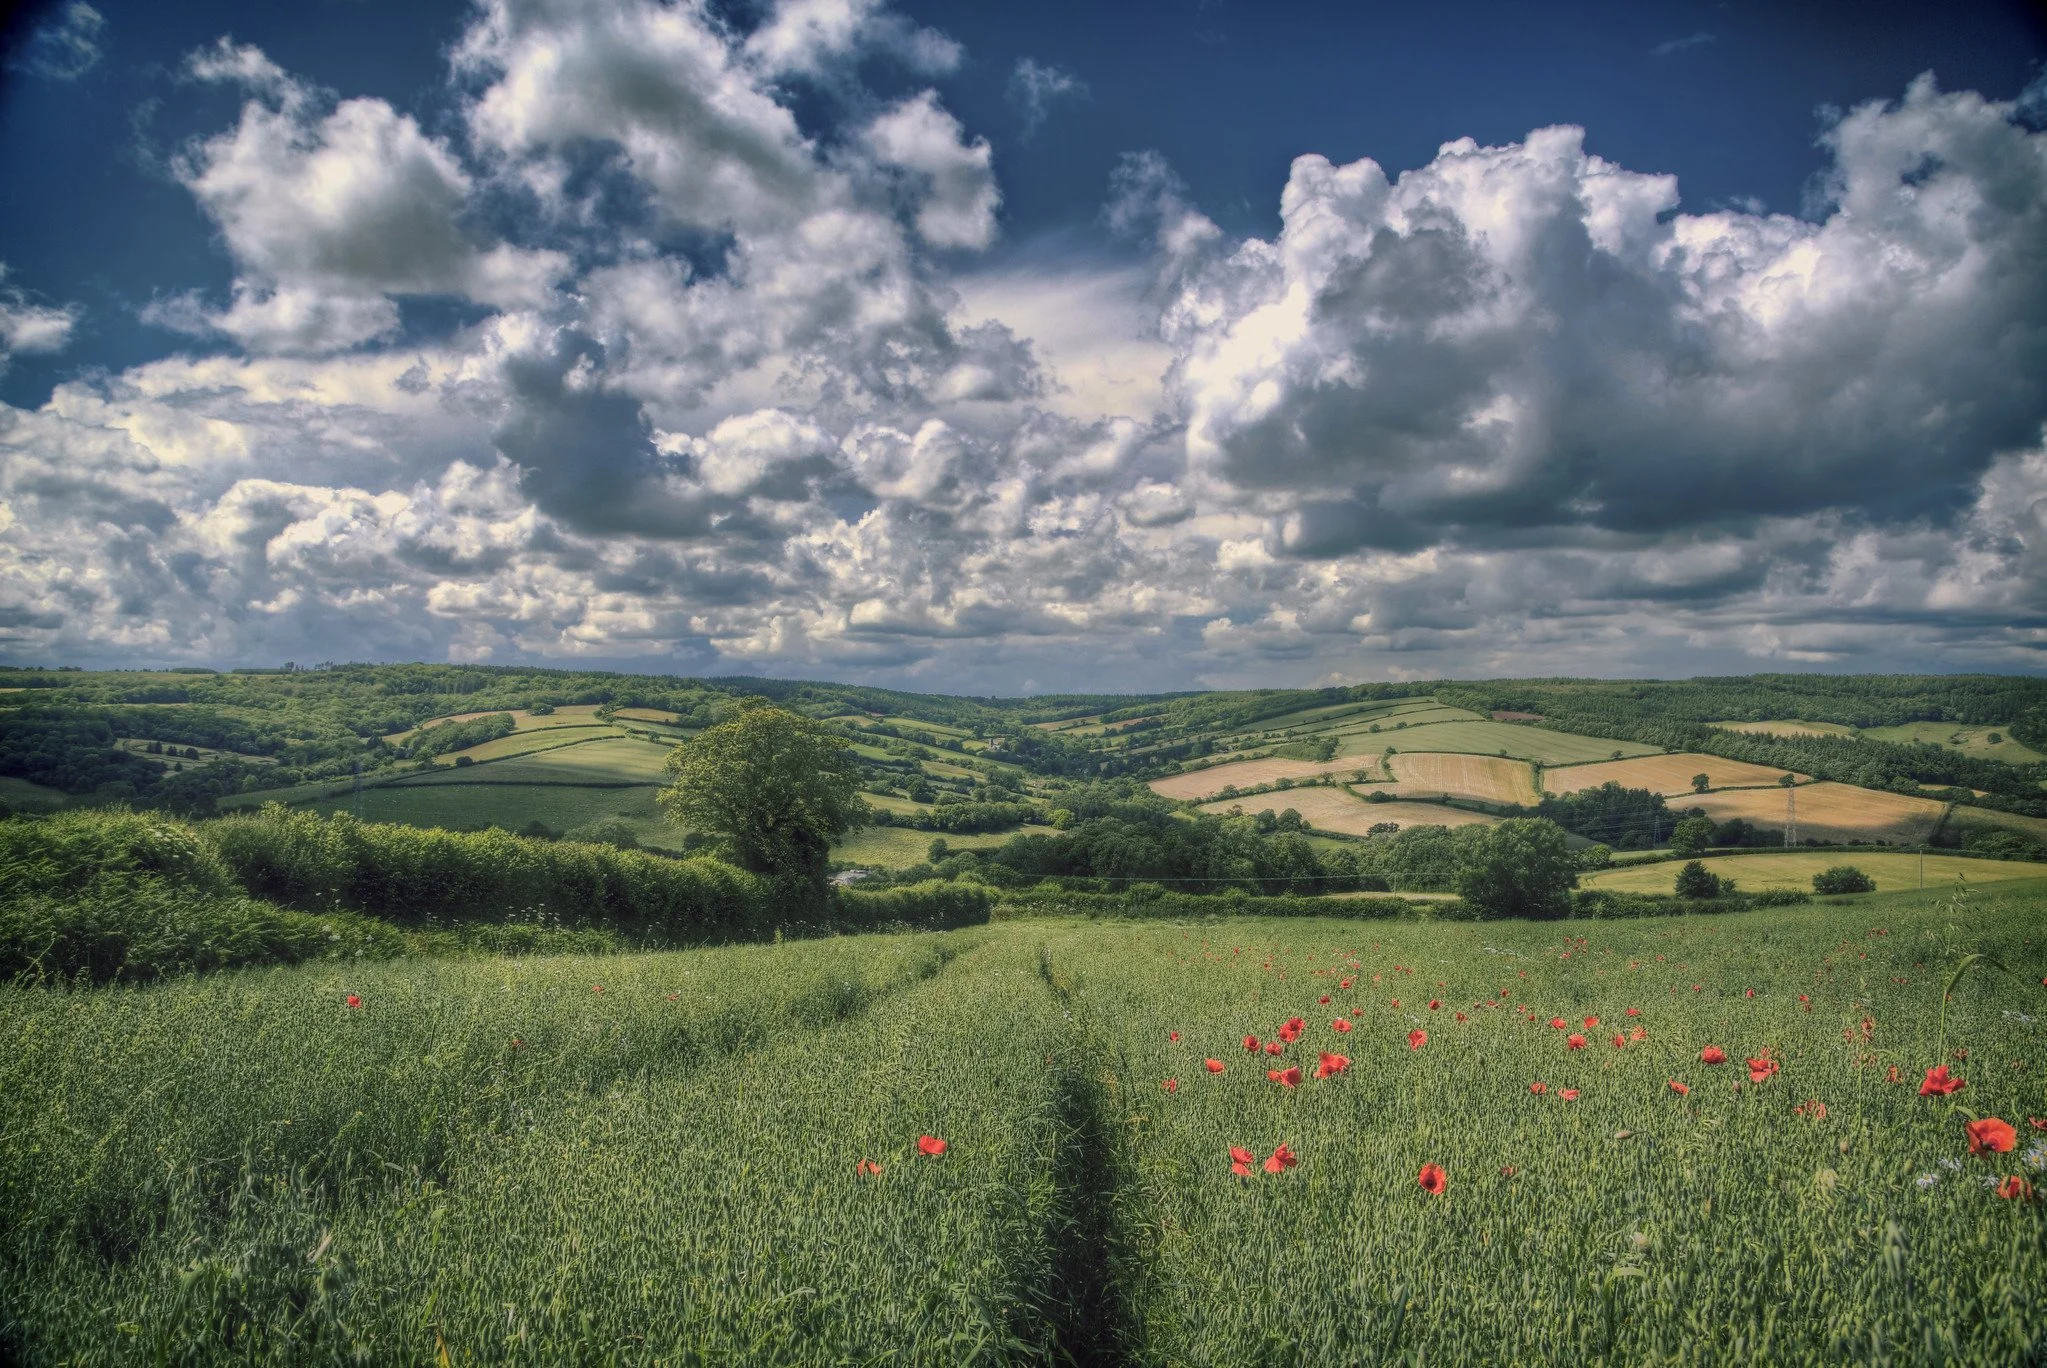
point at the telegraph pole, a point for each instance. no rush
(1790, 816)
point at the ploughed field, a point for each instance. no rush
(1008, 1144)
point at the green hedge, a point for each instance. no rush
(932, 905)
(135, 931)
(68, 852)
(1604, 903)
(419, 876)
(1149, 900)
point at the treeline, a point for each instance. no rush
(961, 819)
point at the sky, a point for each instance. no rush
(1015, 349)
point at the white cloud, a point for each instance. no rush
(959, 196)
(1035, 86)
(28, 328)
(66, 47)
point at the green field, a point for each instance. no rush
(607, 760)
(511, 806)
(1794, 869)
(1788, 728)
(901, 847)
(496, 1162)
(1962, 740)
(1516, 741)
(28, 796)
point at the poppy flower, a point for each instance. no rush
(1634, 1011)
(1289, 1077)
(2037, 1122)
(867, 1168)
(1340, 1026)
(1273, 1047)
(518, 1044)
(1173, 1036)
(352, 1000)
(1171, 1085)
(1681, 1089)
(1433, 1179)
(1292, 1030)
(1575, 1041)
(1938, 1084)
(1396, 1002)
(1331, 1064)
(1508, 1170)
(2015, 1188)
(1891, 1075)
(1357, 1011)
(1991, 1134)
(1568, 1094)
(1751, 992)
(1812, 1107)
(1280, 1160)
(931, 1145)
(1759, 1070)
(1462, 1017)
(1538, 1087)
(1241, 1160)
(1212, 1065)
(1435, 1005)
(1251, 1044)
(1324, 999)
(597, 988)
(1591, 1023)
(1558, 1023)
(1619, 1041)
(1712, 1054)
(1344, 984)
(1416, 1039)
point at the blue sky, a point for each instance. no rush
(1000, 347)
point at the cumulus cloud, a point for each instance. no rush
(28, 328)
(66, 47)
(958, 194)
(809, 37)
(1035, 86)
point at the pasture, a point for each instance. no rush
(1789, 728)
(1836, 813)
(471, 806)
(1669, 775)
(1516, 741)
(1892, 871)
(1004, 1144)
(901, 847)
(1960, 739)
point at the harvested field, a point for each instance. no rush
(1335, 809)
(1828, 811)
(1247, 773)
(1891, 871)
(1484, 777)
(1787, 728)
(1669, 775)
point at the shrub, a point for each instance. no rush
(929, 906)
(1697, 881)
(65, 853)
(1843, 879)
(135, 931)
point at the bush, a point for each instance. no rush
(65, 853)
(135, 931)
(1843, 879)
(1697, 881)
(428, 877)
(1691, 836)
(935, 905)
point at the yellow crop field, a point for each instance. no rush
(1892, 871)
(1828, 811)
(1669, 775)
(1484, 777)
(1787, 728)
(1336, 809)
(1247, 773)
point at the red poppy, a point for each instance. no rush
(1433, 1179)
(1681, 1089)
(931, 1145)
(1357, 1011)
(1712, 1054)
(1558, 1022)
(1212, 1065)
(1273, 1047)
(1591, 1023)
(2015, 1188)
(1751, 992)
(2037, 1122)
(1251, 1044)
(1396, 1002)
(1344, 984)
(1292, 1030)
(1575, 1041)
(1462, 1017)
(1280, 1160)
(1803, 998)
(1241, 1160)
(1324, 999)
(1171, 1085)
(673, 996)
(1619, 1041)
(1759, 1070)
(1435, 1005)
(1938, 1084)
(1508, 1170)
(1538, 1087)
(1289, 1077)
(1634, 1011)
(1331, 1064)
(1812, 1107)
(1568, 1094)
(1891, 1075)
(1173, 1036)
(1340, 1026)
(596, 987)
(867, 1168)
(352, 1000)
(1416, 1039)
(1991, 1134)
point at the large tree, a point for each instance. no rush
(1523, 867)
(779, 788)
